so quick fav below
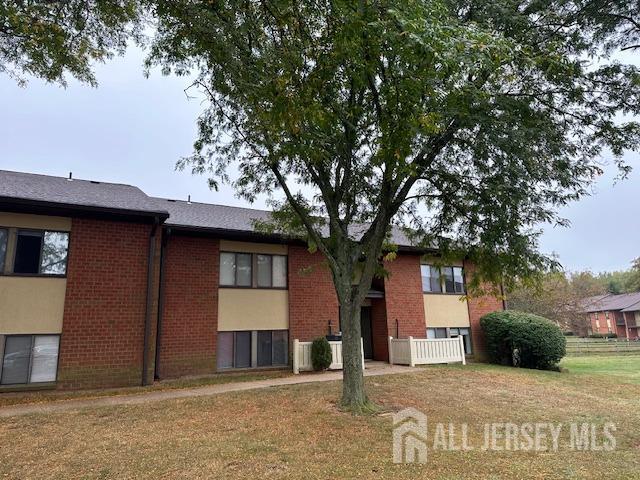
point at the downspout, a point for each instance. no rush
(147, 320)
(165, 240)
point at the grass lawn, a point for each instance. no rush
(625, 368)
(298, 432)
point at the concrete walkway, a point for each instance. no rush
(375, 369)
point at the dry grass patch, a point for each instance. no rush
(297, 431)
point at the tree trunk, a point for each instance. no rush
(354, 396)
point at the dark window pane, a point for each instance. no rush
(224, 350)
(441, 332)
(434, 279)
(45, 358)
(458, 279)
(227, 268)
(54, 253)
(243, 350)
(15, 365)
(447, 272)
(28, 252)
(264, 348)
(264, 270)
(466, 336)
(4, 236)
(243, 269)
(280, 347)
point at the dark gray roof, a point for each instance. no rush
(210, 216)
(59, 192)
(28, 187)
(632, 308)
(608, 302)
(223, 217)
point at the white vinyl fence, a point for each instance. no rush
(421, 351)
(302, 356)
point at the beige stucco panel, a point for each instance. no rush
(31, 304)
(445, 311)
(252, 309)
(251, 247)
(41, 222)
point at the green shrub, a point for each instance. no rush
(523, 339)
(320, 354)
(603, 335)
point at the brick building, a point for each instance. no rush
(613, 314)
(102, 286)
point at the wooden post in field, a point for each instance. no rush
(296, 360)
(362, 351)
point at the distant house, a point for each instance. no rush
(609, 313)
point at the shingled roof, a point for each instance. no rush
(27, 189)
(59, 195)
(626, 302)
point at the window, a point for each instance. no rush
(41, 252)
(445, 279)
(431, 279)
(436, 333)
(453, 279)
(250, 349)
(30, 359)
(4, 237)
(235, 269)
(466, 338)
(253, 270)
(606, 315)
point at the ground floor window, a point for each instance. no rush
(252, 348)
(452, 332)
(29, 359)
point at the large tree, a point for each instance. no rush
(52, 38)
(466, 120)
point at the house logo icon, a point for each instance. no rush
(409, 436)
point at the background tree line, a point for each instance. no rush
(559, 295)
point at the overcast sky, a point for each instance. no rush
(132, 130)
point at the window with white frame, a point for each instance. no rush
(253, 270)
(29, 359)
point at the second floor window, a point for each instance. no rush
(444, 279)
(41, 252)
(253, 270)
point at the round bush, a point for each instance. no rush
(320, 354)
(523, 339)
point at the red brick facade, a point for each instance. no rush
(403, 297)
(478, 307)
(105, 304)
(189, 322)
(313, 302)
(103, 332)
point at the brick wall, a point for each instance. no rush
(403, 297)
(190, 309)
(312, 296)
(478, 307)
(105, 304)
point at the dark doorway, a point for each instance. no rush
(365, 328)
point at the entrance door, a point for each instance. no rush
(365, 329)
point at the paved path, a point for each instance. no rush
(141, 398)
